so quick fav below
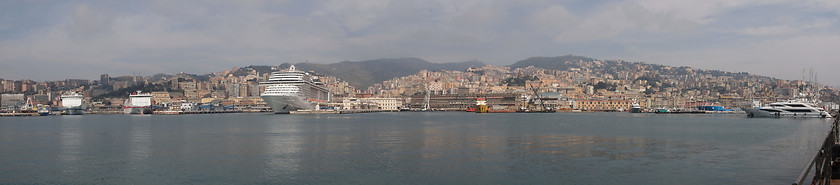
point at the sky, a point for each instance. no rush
(56, 40)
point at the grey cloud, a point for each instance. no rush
(86, 23)
(199, 37)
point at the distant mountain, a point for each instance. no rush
(552, 63)
(363, 74)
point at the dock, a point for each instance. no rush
(105, 112)
(19, 114)
(351, 111)
(695, 112)
(826, 170)
(169, 112)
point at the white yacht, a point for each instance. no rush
(788, 109)
(291, 90)
(138, 103)
(73, 104)
(635, 108)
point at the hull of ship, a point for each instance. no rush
(285, 104)
(138, 110)
(635, 110)
(752, 112)
(73, 111)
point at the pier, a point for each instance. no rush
(349, 111)
(19, 114)
(197, 112)
(823, 163)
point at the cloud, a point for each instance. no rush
(825, 4)
(554, 18)
(354, 15)
(784, 29)
(768, 30)
(85, 39)
(86, 23)
(616, 19)
(781, 58)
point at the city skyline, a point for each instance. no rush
(83, 39)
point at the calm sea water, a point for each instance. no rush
(406, 148)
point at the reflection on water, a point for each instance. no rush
(400, 148)
(71, 143)
(282, 148)
(140, 142)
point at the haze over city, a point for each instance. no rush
(43, 40)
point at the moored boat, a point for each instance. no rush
(291, 90)
(138, 103)
(73, 104)
(788, 109)
(635, 108)
(470, 109)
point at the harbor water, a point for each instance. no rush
(406, 148)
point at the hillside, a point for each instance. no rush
(552, 63)
(362, 74)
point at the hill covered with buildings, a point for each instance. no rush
(366, 73)
(563, 79)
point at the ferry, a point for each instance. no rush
(788, 109)
(292, 90)
(138, 103)
(73, 104)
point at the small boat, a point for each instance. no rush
(481, 105)
(44, 111)
(470, 109)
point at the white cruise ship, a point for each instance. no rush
(788, 109)
(290, 90)
(73, 104)
(138, 103)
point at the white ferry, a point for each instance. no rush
(138, 103)
(291, 90)
(73, 104)
(788, 109)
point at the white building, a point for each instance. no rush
(373, 103)
(385, 103)
(187, 106)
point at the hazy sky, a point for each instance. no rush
(54, 40)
